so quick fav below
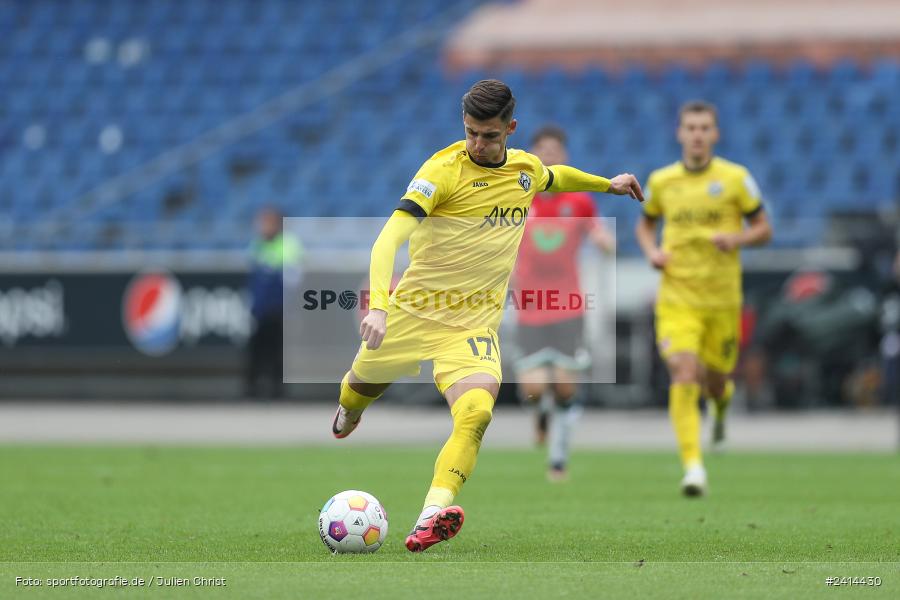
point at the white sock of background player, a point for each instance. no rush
(562, 425)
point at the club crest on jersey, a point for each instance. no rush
(524, 180)
(715, 188)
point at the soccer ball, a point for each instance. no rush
(353, 522)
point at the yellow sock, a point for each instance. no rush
(471, 416)
(684, 411)
(438, 496)
(722, 403)
(352, 400)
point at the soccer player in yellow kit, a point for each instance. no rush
(463, 214)
(704, 201)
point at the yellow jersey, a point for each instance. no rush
(695, 205)
(472, 219)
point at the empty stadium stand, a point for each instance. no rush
(90, 91)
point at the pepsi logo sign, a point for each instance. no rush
(151, 312)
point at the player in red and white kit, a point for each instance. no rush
(550, 302)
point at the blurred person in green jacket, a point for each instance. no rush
(275, 256)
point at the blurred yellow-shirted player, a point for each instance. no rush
(704, 201)
(464, 215)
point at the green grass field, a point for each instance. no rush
(774, 526)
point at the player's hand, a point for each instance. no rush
(373, 328)
(626, 184)
(658, 259)
(725, 242)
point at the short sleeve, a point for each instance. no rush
(545, 177)
(431, 185)
(542, 173)
(749, 196)
(652, 205)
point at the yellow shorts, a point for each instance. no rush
(457, 352)
(711, 334)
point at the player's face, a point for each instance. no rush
(697, 134)
(268, 224)
(551, 151)
(486, 140)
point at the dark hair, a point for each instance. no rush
(550, 131)
(489, 98)
(698, 106)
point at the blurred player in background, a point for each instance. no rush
(551, 340)
(274, 257)
(449, 302)
(704, 201)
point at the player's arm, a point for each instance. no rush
(645, 232)
(564, 178)
(758, 230)
(594, 229)
(427, 189)
(602, 237)
(757, 233)
(395, 233)
(646, 229)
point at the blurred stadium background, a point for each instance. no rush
(140, 139)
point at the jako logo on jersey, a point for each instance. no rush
(479, 184)
(509, 217)
(151, 312)
(524, 180)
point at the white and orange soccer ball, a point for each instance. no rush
(353, 522)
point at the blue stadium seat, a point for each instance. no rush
(817, 139)
(886, 72)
